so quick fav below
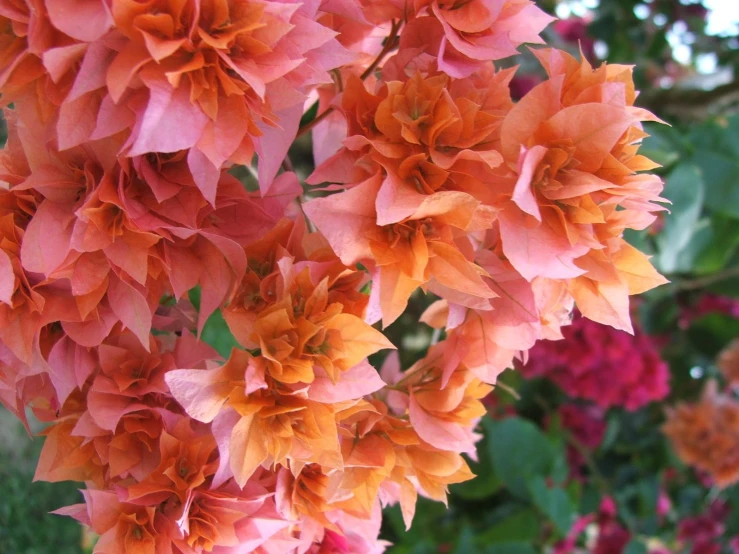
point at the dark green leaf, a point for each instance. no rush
(519, 451)
(635, 546)
(554, 503)
(522, 525)
(717, 154)
(510, 548)
(217, 334)
(684, 188)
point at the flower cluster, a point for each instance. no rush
(728, 362)
(705, 434)
(123, 229)
(601, 364)
(611, 537)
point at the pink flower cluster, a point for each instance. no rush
(602, 364)
(118, 203)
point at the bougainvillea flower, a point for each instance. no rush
(383, 452)
(37, 57)
(216, 519)
(444, 412)
(235, 71)
(573, 142)
(125, 236)
(429, 134)
(123, 527)
(67, 455)
(464, 36)
(20, 304)
(728, 362)
(186, 461)
(602, 364)
(128, 373)
(302, 315)
(272, 424)
(704, 434)
(418, 251)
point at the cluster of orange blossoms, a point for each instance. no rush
(705, 434)
(117, 200)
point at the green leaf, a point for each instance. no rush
(611, 434)
(466, 542)
(635, 546)
(717, 155)
(510, 548)
(217, 334)
(719, 245)
(710, 333)
(663, 145)
(519, 451)
(522, 525)
(554, 503)
(685, 189)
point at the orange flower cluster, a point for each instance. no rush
(306, 404)
(448, 172)
(728, 362)
(706, 435)
(124, 233)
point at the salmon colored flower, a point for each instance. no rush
(125, 236)
(573, 141)
(421, 250)
(36, 58)
(302, 315)
(704, 435)
(186, 460)
(444, 401)
(229, 517)
(229, 70)
(728, 362)
(123, 527)
(67, 456)
(20, 305)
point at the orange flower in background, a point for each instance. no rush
(706, 435)
(728, 362)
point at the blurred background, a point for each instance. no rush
(603, 443)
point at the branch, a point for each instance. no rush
(708, 280)
(390, 44)
(695, 103)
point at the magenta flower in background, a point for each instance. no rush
(601, 364)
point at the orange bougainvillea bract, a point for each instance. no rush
(125, 232)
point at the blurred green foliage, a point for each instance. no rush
(26, 526)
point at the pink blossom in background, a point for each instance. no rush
(574, 30)
(602, 364)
